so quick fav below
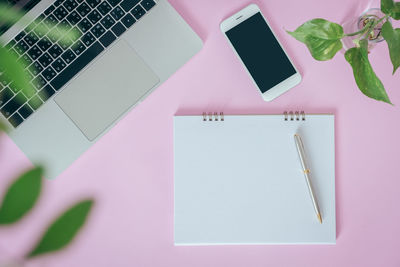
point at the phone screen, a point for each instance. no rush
(260, 52)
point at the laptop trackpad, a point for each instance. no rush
(108, 88)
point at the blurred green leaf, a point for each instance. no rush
(391, 8)
(3, 127)
(392, 37)
(321, 37)
(21, 196)
(322, 49)
(62, 230)
(12, 69)
(365, 77)
(10, 15)
(319, 28)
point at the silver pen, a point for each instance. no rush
(306, 170)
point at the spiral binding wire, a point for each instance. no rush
(213, 117)
(292, 116)
(297, 115)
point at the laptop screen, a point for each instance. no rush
(23, 5)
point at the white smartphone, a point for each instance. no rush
(260, 51)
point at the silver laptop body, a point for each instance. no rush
(117, 80)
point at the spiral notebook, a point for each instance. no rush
(238, 179)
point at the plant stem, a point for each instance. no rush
(360, 31)
(368, 27)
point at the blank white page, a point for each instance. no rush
(240, 181)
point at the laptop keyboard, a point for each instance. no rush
(51, 63)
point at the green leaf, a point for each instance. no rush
(319, 28)
(63, 229)
(21, 196)
(13, 70)
(9, 16)
(321, 37)
(322, 49)
(365, 77)
(391, 8)
(3, 127)
(392, 37)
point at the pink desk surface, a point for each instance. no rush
(130, 170)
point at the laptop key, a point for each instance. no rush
(44, 44)
(45, 60)
(35, 52)
(65, 42)
(35, 102)
(70, 5)
(49, 73)
(138, 12)
(35, 68)
(128, 20)
(25, 111)
(68, 56)
(8, 109)
(20, 36)
(58, 2)
(107, 21)
(55, 51)
(54, 35)
(104, 8)
(21, 47)
(118, 29)
(107, 39)
(98, 30)
(31, 26)
(78, 48)
(114, 2)
(41, 30)
(39, 82)
(128, 4)
(60, 13)
(25, 60)
(50, 21)
(94, 16)
(49, 10)
(83, 9)
(93, 3)
(88, 39)
(59, 64)
(117, 13)
(46, 93)
(15, 120)
(4, 79)
(5, 95)
(74, 17)
(147, 4)
(10, 44)
(13, 53)
(85, 25)
(65, 24)
(31, 39)
(70, 71)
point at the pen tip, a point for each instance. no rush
(319, 218)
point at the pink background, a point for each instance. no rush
(130, 170)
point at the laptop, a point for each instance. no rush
(127, 49)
